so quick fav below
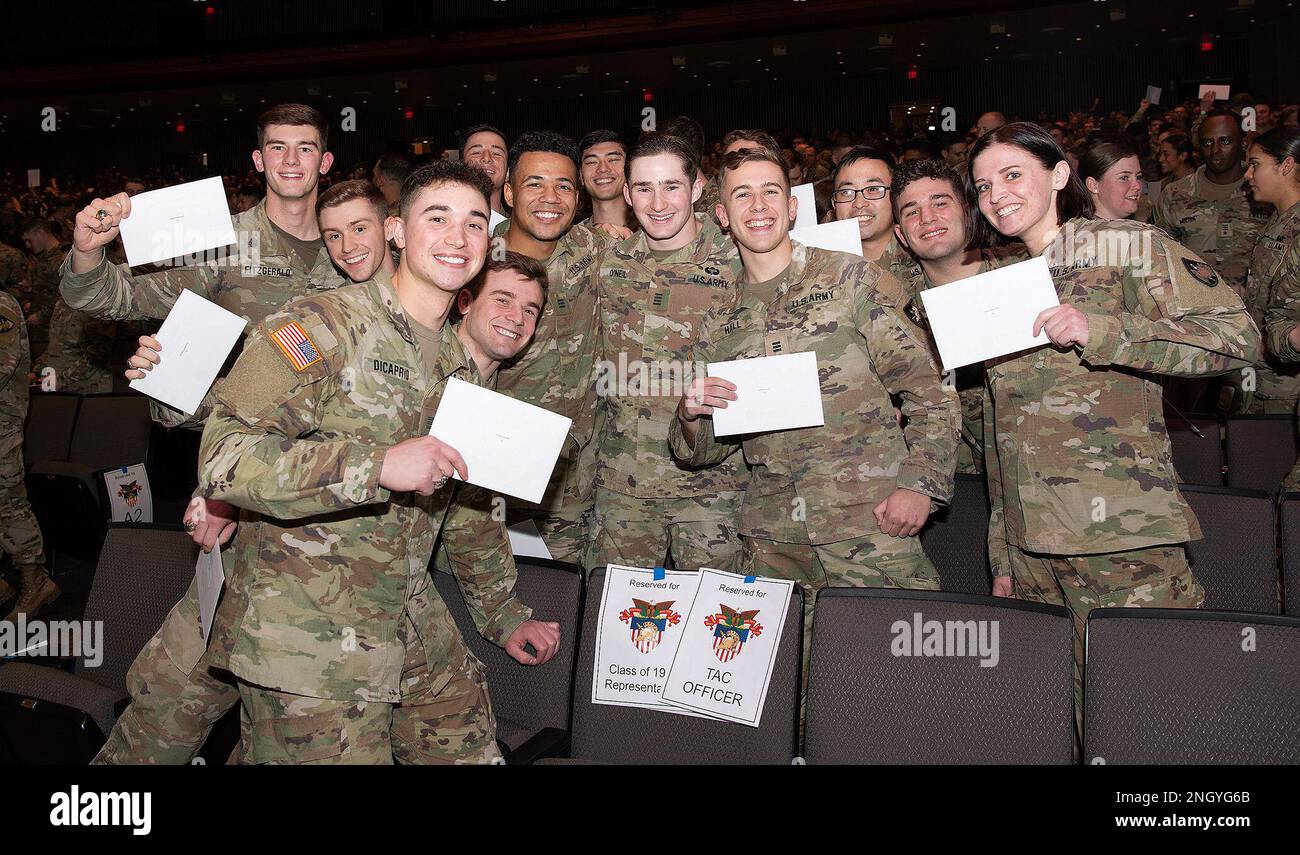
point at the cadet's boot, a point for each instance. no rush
(7, 592)
(36, 591)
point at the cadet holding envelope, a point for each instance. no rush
(838, 504)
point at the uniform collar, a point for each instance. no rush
(322, 269)
(452, 356)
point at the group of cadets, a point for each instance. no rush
(317, 475)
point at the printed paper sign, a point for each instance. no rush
(129, 496)
(637, 634)
(727, 651)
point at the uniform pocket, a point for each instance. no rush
(296, 739)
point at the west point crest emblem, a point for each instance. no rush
(648, 622)
(129, 493)
(731, 629)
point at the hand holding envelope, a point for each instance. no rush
(993, 314)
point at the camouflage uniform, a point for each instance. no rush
(1086, 510)
(44, 293)
(334, 619)
(969, 379)
(79, 351)
(556, 372)
(20, 536)
(651, 312)
(174, 704)
(1275, 283)
(1223, 232)
(807, 513)
(710, 196)
(1272, 289)
(15, 273)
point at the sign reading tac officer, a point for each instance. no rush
(639, 628)
(724, 663)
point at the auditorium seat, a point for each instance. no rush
(956, 538)
(1289, 523)
(1236, 561)
(612, 734)
(48, 715)
(51, 417)
(1188, 686)
(1197, 443)
(873, 700)
(1260, 451)
(527, 699)
(68, 496)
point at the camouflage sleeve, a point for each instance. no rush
(1283, 312)
(999, 554)
(707, 451)
(172, 418)
(1160, 214)
(111, 291)
(1181, 320)
(11, 336)
(479, 551)
(258, 451)
(901, 358)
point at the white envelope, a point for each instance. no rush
(990, 314)
(180, 220)
(1220, 90)
(494, 220)
(196, 338)
(772, 393)
(1153, 94)
(840, 235)
(806, 215)
(526, 541)
(509, 447)
(211, 578)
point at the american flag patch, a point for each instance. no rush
(300, 349)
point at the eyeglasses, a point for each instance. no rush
(848, 194)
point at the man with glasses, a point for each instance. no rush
(861, 189)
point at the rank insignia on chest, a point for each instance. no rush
(660, 299)
(775, 345)
(561, 304)
(295, 344)
(712, 271)
(1225, 229)
(1201, 272)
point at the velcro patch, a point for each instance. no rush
(1201, 272)
(296, 345)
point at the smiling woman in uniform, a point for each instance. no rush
(1086, 511)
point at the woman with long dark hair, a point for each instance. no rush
(1177, 158)
(1086, 509)
(1273, 283)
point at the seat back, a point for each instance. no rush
(1167, 686)
(613, 734)
(1260, 451)
(896, 677)
(143, 571)
(1198, 449)
(51, 417)
(527, 698)
(112, 431)
(1289, 524)
(1236, 561)
(956, 538)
